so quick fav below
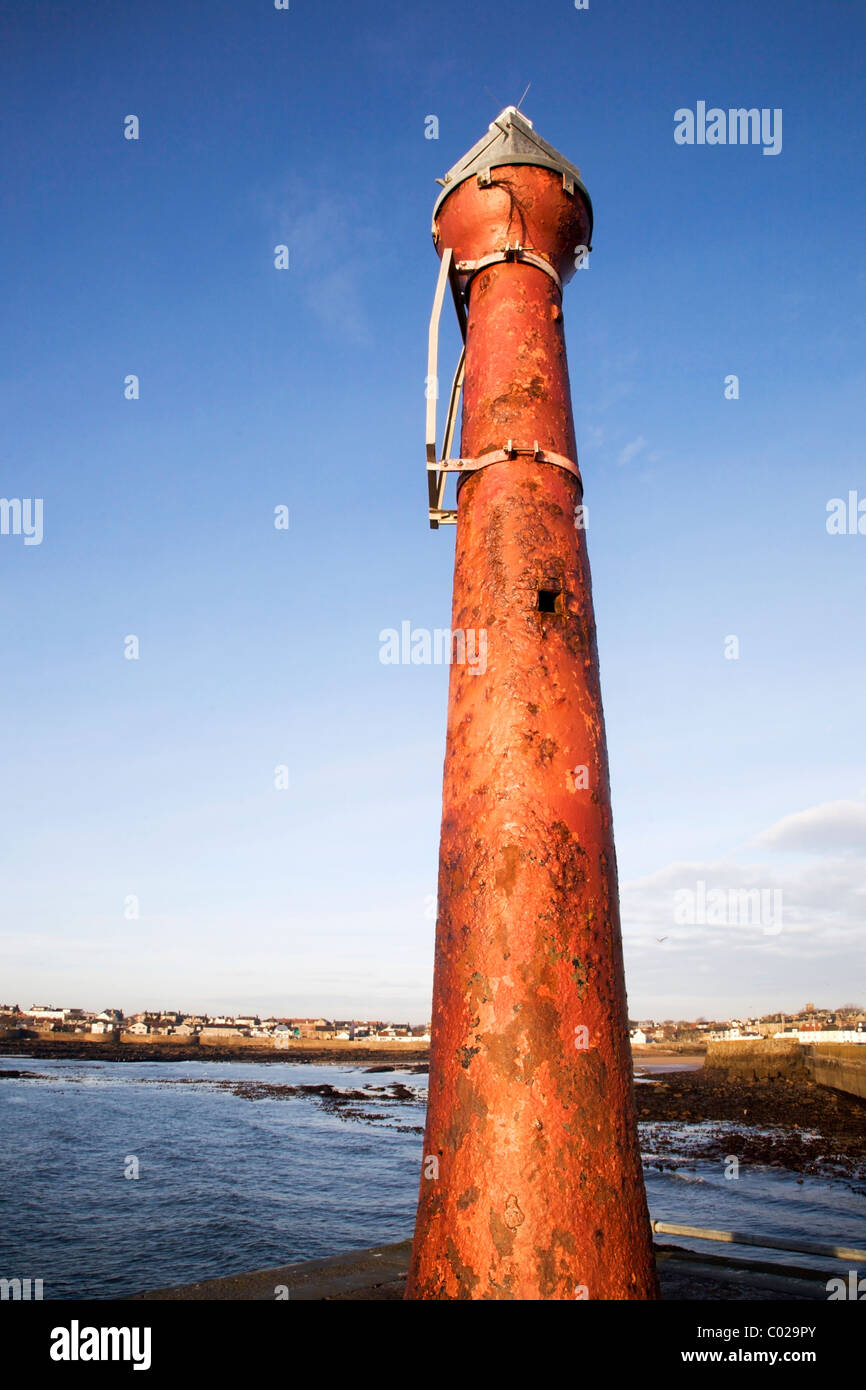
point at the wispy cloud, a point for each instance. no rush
(631, 450)
(329, 248)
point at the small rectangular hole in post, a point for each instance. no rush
(548, 600)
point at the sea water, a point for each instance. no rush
(118, 1177)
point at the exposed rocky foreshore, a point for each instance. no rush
(343, 1052)
(788, 1123)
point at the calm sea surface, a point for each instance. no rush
(228, 1183)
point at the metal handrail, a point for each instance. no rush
(803, 1247)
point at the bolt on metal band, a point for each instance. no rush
(510, 451)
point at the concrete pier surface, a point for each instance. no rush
(379, 1275)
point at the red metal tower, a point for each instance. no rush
(531, 1182)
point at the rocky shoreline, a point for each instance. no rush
(108, 1050)
(787, 1123)
(342, 1053)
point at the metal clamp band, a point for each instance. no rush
(511, 253)
(446, 516)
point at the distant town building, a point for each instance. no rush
(45, 1013)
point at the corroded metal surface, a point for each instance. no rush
(531, 1185)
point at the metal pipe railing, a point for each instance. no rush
(798, 1247)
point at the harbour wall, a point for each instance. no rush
(841, 1066)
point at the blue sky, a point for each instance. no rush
(305, 388)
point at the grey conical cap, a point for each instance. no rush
(511, 140)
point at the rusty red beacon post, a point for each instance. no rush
(531, 1184)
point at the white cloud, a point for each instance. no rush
(819, 950)
(833, 826)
